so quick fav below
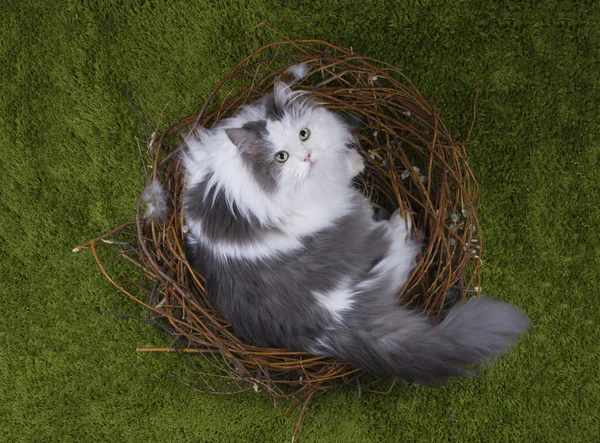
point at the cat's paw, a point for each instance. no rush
(356, 164)
(401, 222)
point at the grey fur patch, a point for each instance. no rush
(273, 109)
(405, 344)
(220, 222)
(382, 214)
(269, 302)
(258, 127)
(252, 141)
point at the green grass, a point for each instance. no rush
(70, 169)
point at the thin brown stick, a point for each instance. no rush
(103, 236)
(302, 411)
(474, 116)
(176, 350)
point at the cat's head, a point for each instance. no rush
(291, 142)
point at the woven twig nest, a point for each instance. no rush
(411, 163)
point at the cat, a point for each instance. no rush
(293, 256)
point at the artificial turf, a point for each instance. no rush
(70, 169)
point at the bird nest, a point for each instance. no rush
(412, 163)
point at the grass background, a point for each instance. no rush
(70, 169)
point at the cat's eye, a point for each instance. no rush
(304, 134)
(281, 156)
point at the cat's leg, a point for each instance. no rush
(395, 268)
(387, 277)
(403, 252)
(401, 225)
(356, 163)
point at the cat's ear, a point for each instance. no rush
(282, 93)
(243, 138)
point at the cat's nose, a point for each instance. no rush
(307, 157)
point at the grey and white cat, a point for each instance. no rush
(293, 256)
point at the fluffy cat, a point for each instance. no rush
(294, 258)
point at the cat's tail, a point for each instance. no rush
(404, 344)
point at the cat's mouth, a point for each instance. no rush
(308, 159)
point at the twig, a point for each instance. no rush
(302, 411)
(176, 351)
(141, 320)
(103, 236)
(137, 114)
(474, 116)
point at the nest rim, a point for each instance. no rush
(282, 373)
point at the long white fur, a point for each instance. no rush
(338, 300)
(268, 247)
(300, 207)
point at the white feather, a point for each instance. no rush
(157, 207)
(299, 70)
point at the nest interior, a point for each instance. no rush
(411, 163)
